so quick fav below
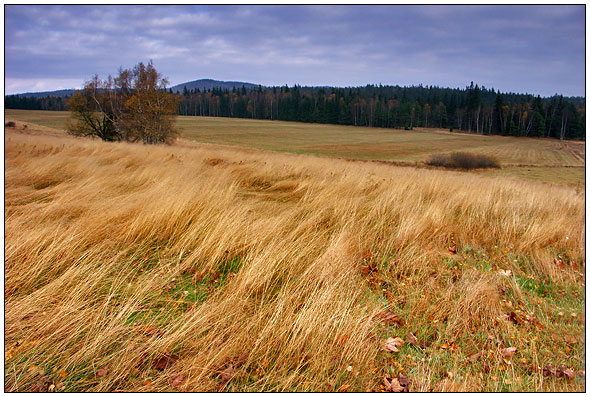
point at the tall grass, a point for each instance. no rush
(246, 268)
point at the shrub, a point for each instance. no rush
(463, 160)
(10, 124)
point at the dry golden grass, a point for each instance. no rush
(128, 265)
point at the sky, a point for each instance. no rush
(527, 49)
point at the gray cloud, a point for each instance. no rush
(535, 49)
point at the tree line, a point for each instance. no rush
(473, 109)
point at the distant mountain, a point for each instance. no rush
(202, 84)
(58, 93)
(209, 84)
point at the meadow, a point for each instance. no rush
(546, 160)
(208, 267)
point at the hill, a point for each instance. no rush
(209, 84)
(202, 84)
(44, 94)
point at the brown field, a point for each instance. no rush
(199, 267)
(545, 160)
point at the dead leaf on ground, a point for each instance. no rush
(508, 352)
(393, 385)
(102, 372)
(367, 269)
(391, 344)
(390, 318)
(570, 340)
(453, 249)
(474, 357)
(404, 381)
(513, 317)
(177, 380)
(549, 370)
(505, 273)
(240, 359)
(411, 339)
(42, 384)
(343, 388)
(34, 369)
(559, 262)
(227, 374)
(568, 372)
(166, 361)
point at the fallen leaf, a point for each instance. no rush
(453, 249)
(549, 370)
(505, 273)
(559, 262)
(366, 269)
(501, 289)
(570, 339)
(404, 381)
(51, 387)
(343, 388)
(34, 369)
(411, 339)
(164, 362)
(391, 344)
(508, 352)
(102, 372)
(390, 318)
(240, 359)
(393, 386)
(41, 384)
(444, 346)
(176, 380)
(60, 386)
(513, 317)
(63, 374)
(227, 374)
(474, 357)
(569, 373)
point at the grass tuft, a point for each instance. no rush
(463, 160)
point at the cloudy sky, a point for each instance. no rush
(534, 49)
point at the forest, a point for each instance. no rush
(472, 109)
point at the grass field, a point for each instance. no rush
(197, 267)
(533, 159)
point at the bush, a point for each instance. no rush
(462, 160)
(10, 124)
